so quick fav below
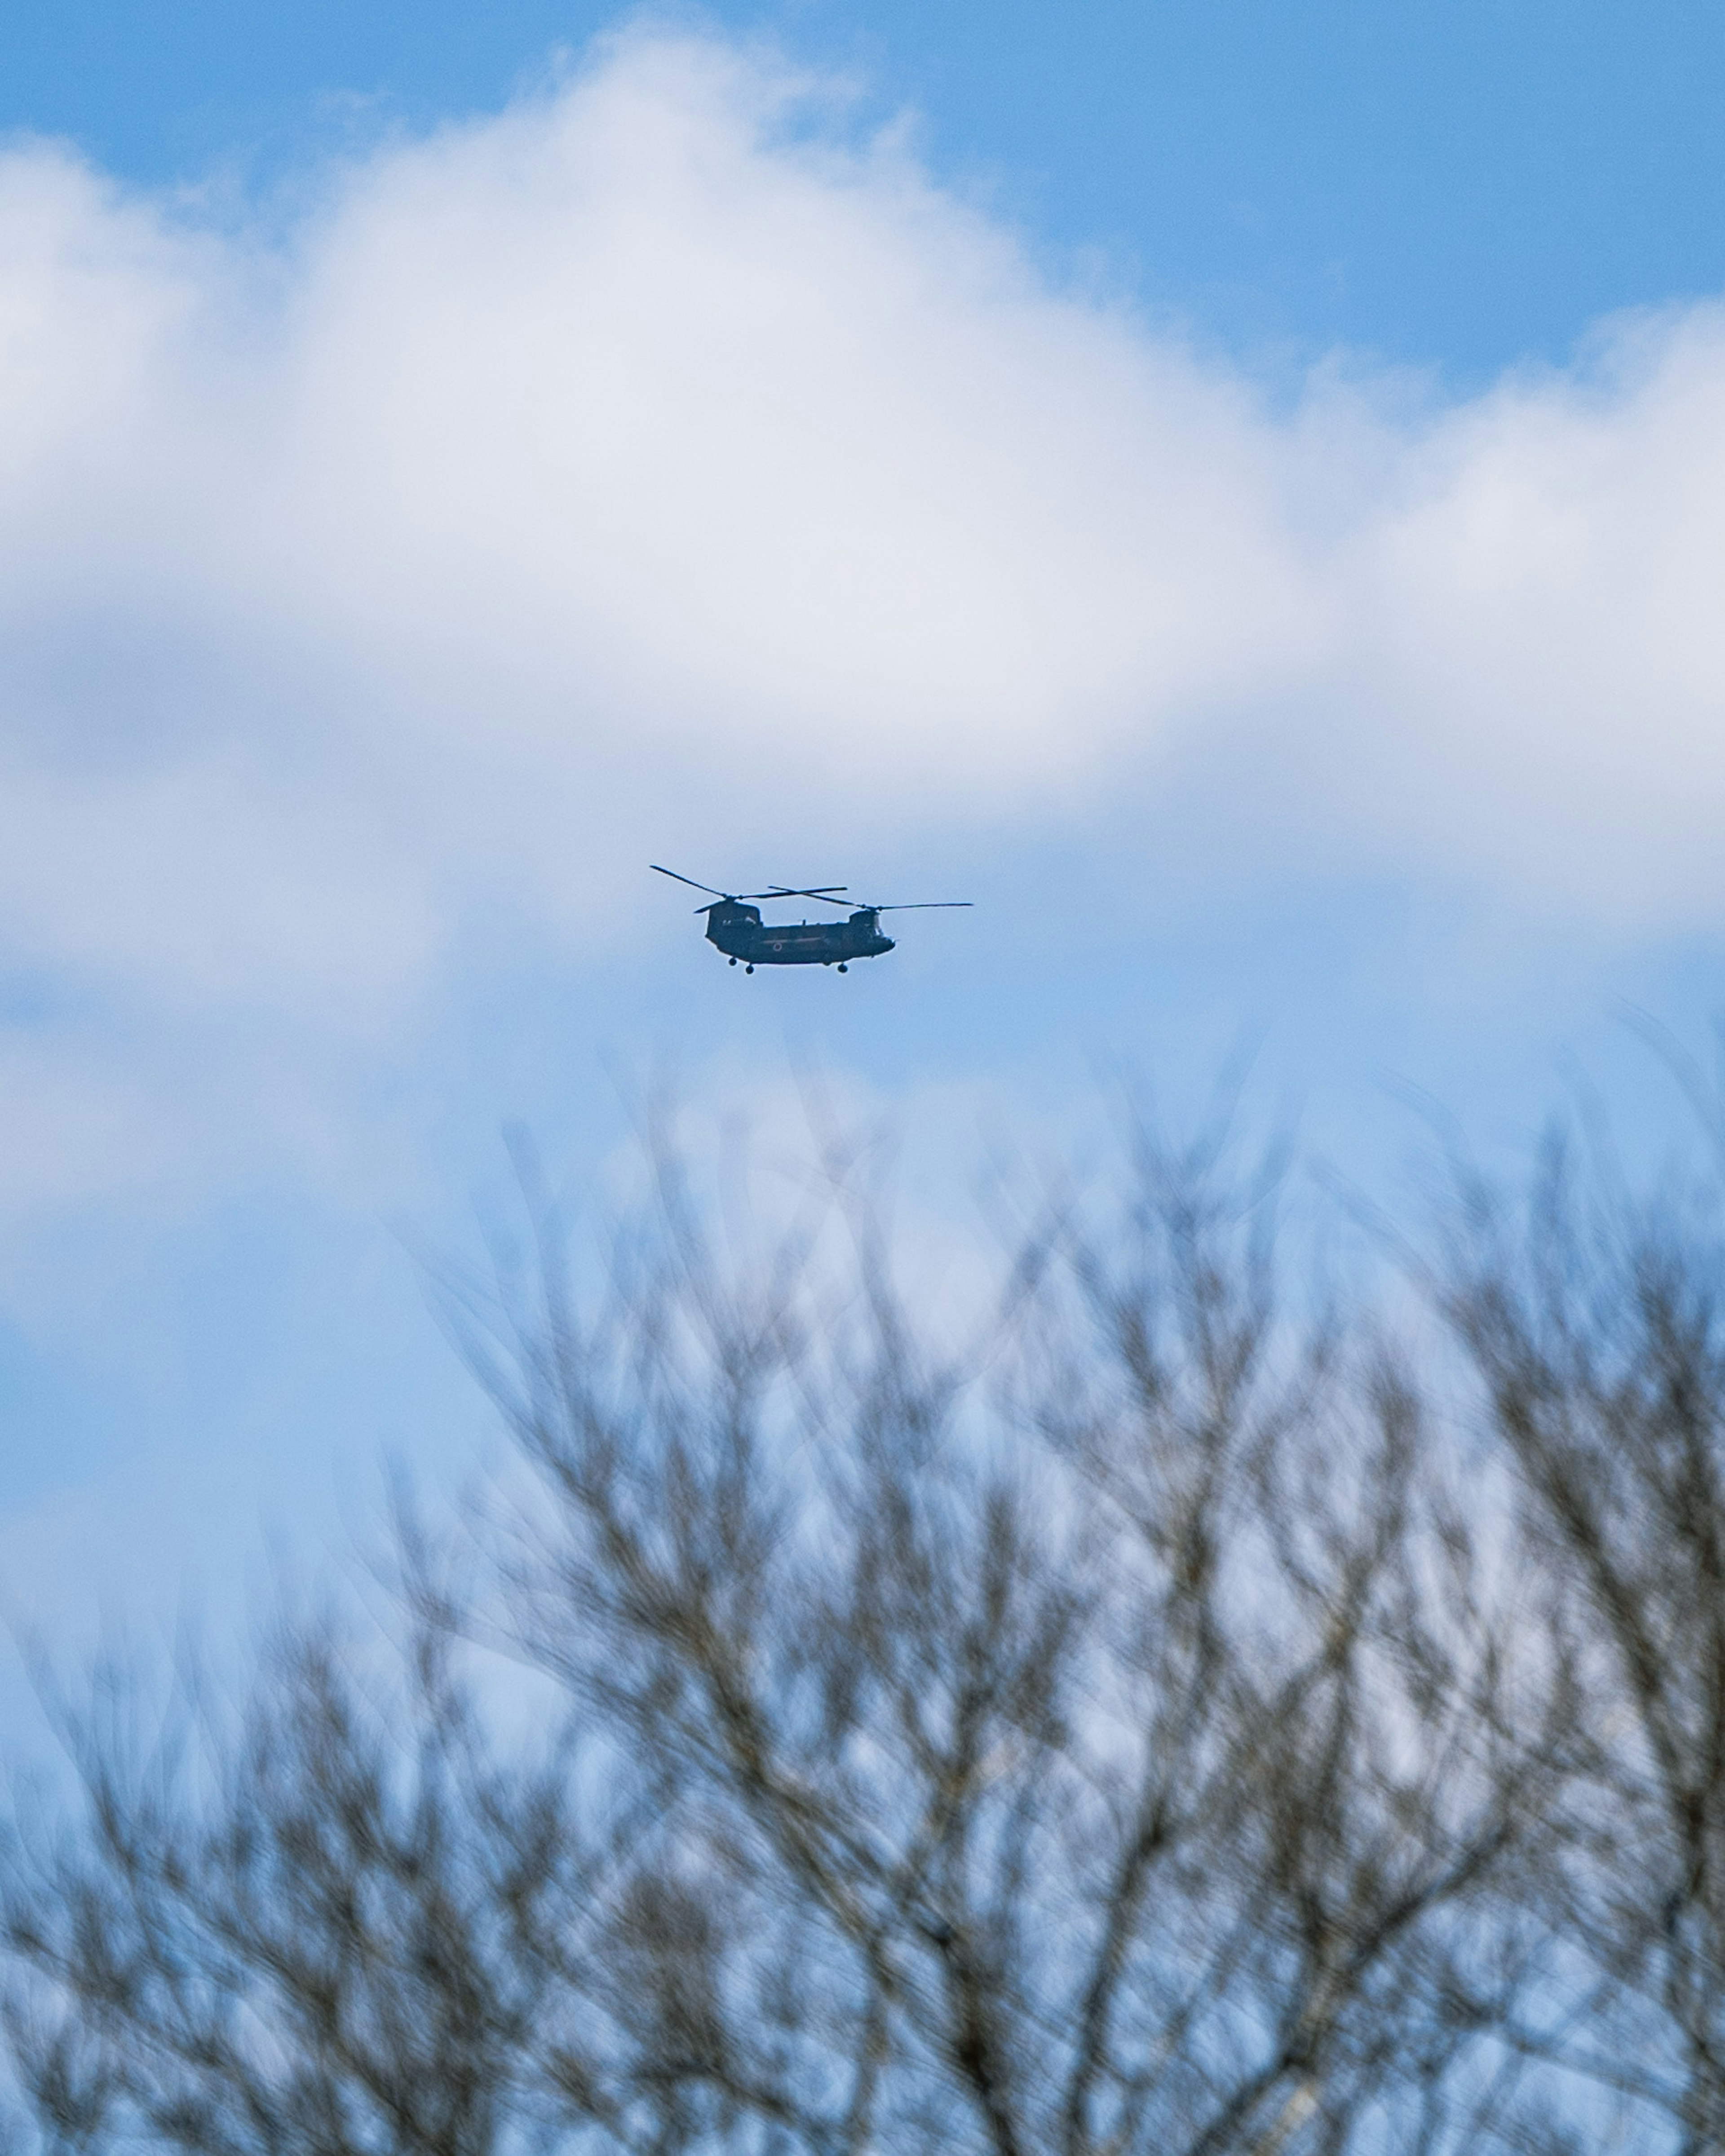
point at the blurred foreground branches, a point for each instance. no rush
(1172, 1724)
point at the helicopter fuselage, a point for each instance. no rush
(739, 932)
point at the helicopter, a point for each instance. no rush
(734, 925)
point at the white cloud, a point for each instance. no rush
(1538, 596)
(648, 460)
(622, 441)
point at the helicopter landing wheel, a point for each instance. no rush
(748, 969)
(844, 970)
(733, 961)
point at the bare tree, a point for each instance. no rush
(336, 1926)
(1119, 1736)
(1596, 1325)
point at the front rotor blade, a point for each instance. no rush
(825, 891)
(922, 906)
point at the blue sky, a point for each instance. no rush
(1461, 188)
(1238, 492)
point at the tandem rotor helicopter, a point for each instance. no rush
(734, 924)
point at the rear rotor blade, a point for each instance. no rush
(922, 906)
(825, 891)
(778, 890)
(689, 880)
